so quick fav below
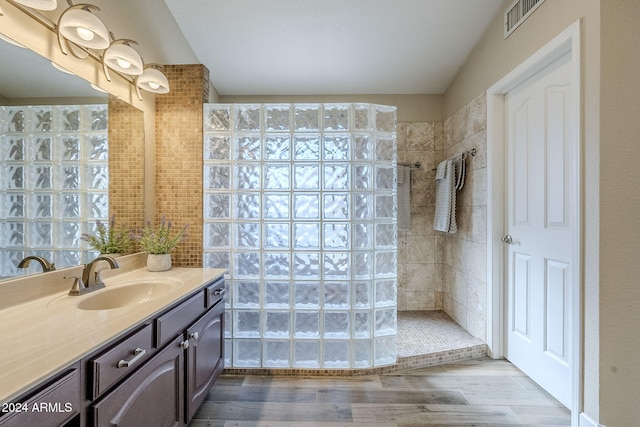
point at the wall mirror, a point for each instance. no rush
(103, 163)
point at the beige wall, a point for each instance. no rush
(492, 58)
(619, 207)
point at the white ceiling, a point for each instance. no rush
(302, 47)
(294, 47)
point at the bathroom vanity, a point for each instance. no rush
(145, 350)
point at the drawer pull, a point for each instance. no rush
(138, 354)
(184, 344)
(194, 335)
(218, 292)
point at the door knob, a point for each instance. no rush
(507, 239)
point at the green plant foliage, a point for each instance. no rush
(109, 239)
(161, 239)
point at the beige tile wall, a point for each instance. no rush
(420, 249)
(179, 156)
(465, 256)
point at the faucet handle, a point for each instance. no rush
(78, 287)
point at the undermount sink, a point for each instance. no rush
(123, 296)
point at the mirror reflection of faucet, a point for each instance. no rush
(46, 265)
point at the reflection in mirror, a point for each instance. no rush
(62, 147)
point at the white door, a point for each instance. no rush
(541, 228)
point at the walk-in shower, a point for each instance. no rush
(300, 204)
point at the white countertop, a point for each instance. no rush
(43, 336)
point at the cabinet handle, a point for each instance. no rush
(218, 292)
(138, 354)
(194, 335)
(184, 344)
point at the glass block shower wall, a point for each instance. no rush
(300, 205)
(54, 174)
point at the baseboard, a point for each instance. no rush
(587, 421)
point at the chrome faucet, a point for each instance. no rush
(46, 265)
(93, 282)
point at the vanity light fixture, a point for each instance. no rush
(81, 33)
(39, 4)
(97, 88)
(152, 80)
(61, 68)
(11, 41)
(78, 25)
(120, 56)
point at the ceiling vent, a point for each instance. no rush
(517, 13)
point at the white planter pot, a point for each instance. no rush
(158, 262)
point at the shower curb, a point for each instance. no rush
(403, 364)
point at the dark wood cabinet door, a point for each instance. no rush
(54, 405)
(205, 356)
(152, 396)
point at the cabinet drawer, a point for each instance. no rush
(176, 320)
(53, 406)
(120, 360)
(214, 293)
(152, 396)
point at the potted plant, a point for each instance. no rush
(158, 242)
(110, 239)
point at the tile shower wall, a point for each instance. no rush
(465, 256)
(420, 248)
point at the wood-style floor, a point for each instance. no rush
(480, 392)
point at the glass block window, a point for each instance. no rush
(300, 205)
(54, 171)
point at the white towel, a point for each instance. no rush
(441, 170)
(404, 197)
(460, 169)
(445, 215)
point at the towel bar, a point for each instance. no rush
(473, 152)
(416, 165)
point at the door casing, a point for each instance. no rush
(566, 42)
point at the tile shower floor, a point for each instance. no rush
(428, 332)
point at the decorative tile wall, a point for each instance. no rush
(420, 248)
(179, 175)
(465, 255)
(126, 163)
